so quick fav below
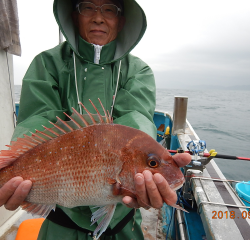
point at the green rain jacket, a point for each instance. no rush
(49, 89)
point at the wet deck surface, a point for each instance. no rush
(152, 224)
(149, 223)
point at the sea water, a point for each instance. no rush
(220, 117)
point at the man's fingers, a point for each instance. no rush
(153, 190)
(13, 193)
(19, 195)
(142, 197)
(130, 202)
(168, 195)
(8, 189)
(154, 196)
(182, 159)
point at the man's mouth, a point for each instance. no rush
(97, 32)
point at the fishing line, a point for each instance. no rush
(114, 97)
(182, 199)
(13, 104)
(78, 100)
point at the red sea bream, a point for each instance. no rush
(85, 161)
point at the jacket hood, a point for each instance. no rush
(127, 39)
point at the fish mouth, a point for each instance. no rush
(178, 184)
(175, 188)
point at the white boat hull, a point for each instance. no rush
(6, 119)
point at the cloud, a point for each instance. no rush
(198, 66)
(194, 43)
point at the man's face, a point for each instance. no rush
(98, 29)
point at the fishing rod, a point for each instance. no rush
(214, 155)
(197, 148)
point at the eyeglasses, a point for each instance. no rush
(88, 9)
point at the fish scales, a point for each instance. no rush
(85, 166)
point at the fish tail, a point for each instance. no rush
(6, 160)
(16, 149)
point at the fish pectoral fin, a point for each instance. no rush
(118, 179)
(38, 209)
(116, 186)
(111, 181)
(104, 214)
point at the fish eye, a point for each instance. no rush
(153, 161)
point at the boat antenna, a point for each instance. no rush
(11, 92)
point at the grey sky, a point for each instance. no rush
(187, 43)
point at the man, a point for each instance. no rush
(93, 63)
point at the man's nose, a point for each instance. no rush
(98, 17)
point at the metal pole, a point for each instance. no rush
(180, 115)
(181, 224)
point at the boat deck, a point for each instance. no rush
(10, 234)
(223, 214)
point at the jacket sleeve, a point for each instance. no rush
(135, 100)
(40, 100)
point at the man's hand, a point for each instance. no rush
(13, 193)
(153, 190)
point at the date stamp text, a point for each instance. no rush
(229, 215)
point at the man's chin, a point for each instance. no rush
(101, 43)
(99, 40)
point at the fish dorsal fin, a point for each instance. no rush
(61, 127)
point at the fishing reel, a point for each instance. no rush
(196, 147)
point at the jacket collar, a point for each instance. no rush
(87, 51)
